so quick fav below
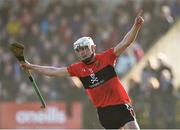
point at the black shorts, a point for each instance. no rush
(116, 116)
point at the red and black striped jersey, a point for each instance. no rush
(100, 80)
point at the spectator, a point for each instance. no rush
(154, 102)
(13, 25)
(165, 77)
(175, 9)
(124, 63)
(150, 70)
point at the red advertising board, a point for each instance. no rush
(30, 115)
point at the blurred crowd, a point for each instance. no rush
(48, 28)
(155, 92)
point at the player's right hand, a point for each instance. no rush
(26, 65)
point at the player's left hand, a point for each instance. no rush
(139, 20)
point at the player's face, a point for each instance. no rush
(83, 52)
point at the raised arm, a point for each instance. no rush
(46, 70)
(130, 36)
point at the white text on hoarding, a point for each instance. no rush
(51, 116)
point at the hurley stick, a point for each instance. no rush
(18, 51)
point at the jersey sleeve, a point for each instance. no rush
(110, 55)
(72, 70)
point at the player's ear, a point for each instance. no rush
(93, 47)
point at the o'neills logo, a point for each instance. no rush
(50, 116)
